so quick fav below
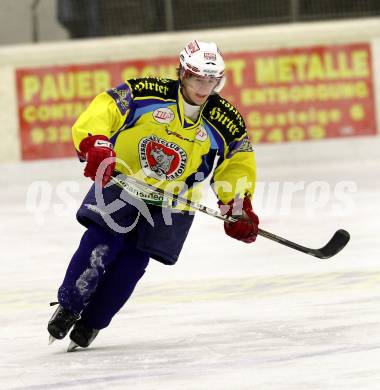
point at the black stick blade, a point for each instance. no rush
(338, 241)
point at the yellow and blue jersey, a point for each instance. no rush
(154, 141)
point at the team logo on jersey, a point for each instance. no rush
(201, 134)
(122, 96)
(241, 146)
(160, 159)
(163, 115)
(245, 146)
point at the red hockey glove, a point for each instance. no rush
(94, 149)
(246, 227)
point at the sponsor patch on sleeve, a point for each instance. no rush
(243, 145)
(122, 96)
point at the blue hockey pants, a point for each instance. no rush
(102, 275)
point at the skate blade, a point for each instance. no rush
(51, 339)
(72, 346)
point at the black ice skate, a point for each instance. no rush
(60, 323)
(81, 336)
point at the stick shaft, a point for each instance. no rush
(216, 214)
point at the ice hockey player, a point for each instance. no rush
(176, 132)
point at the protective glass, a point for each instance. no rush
(202, 85)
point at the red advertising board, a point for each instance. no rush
(284, 95)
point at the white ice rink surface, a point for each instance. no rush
(228, 315)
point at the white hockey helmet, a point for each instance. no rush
(203, 59)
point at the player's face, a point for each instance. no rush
(196, 89)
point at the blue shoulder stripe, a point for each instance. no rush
(148, 106)
(137, 109)
(216, 139)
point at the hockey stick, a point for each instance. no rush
(338, 241)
